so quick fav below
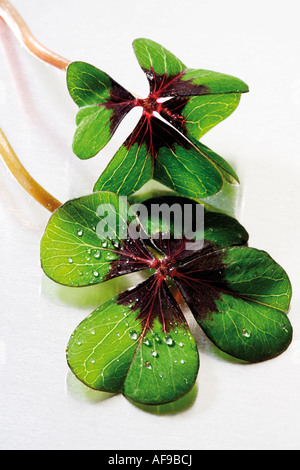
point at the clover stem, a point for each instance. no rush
(16, 23)
(24, 178)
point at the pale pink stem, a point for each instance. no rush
(25, 37)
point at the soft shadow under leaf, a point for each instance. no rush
(178, 406)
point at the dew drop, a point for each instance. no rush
(92, 332)
(70, 260)
(156, 338)
(97, 254)
(79, 343)
(96, 274)
(182, 361)
(133, 335)
(104, 244)
(147, 364)
(181, 345)
(80, 232)
(285, 328)
(169, 340)
(245, 333)
(109, 256)
(155, 354)
(93, 361)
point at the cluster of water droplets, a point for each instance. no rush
(92, 261)
(154, 343)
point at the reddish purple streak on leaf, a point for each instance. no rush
(173, 85)
(155, 134)
(201, 281)
(153, 300)
(121, 102)
(149, 130)
(198, 275)
(133, 256)
(172, 112)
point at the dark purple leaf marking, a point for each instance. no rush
(201, 280)
(156, 134)
(133, 256)
(173, 85)
(121, 102)
(152, 299)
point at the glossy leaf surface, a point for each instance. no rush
(199, 99)
(77, 251)
(217, 229)
(246, 295)
(139, 343)
(168, 76)
(103, 104)
(130, 168)
(202, 113)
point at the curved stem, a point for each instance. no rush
(24, 178)
(24, 35)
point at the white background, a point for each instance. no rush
(233, 406)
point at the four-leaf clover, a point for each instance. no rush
(139, 342)
(183, 104)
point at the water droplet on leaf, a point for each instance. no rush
(156, 338)
(109, 256)
(169, 340)
(245, 333)
(133, 335)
